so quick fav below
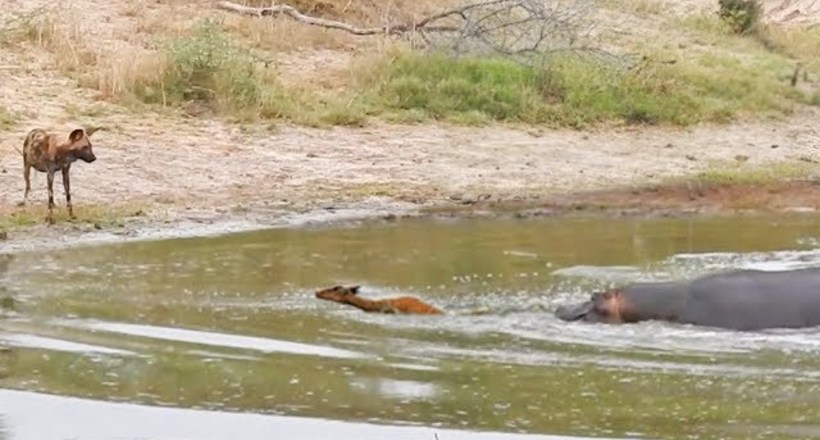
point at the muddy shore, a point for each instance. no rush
(673, 200)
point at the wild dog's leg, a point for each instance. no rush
(50, 217)
(27, 178)
(67, 188)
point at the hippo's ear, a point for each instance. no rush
(354, 290)
(76, 135)
(606, 295)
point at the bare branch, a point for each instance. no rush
(520, 29)
(333, 24)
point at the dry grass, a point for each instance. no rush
(259, 68)
(110, 68)
(364, 12)
(64, 39)
(125, 69)
(283, 35)
(636, 7)
(801, 43)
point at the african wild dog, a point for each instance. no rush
(47, 153)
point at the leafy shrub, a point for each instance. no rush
(742, 15)
(207, 68)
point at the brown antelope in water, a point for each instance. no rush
(403, 304)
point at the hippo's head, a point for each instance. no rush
(337, 293)
(602, 307)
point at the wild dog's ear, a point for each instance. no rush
(354, 290)
(91, 130)
(76, 135)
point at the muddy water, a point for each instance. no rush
(222, 337)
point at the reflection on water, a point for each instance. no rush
(127, 421)
(212, 338)
(32, 341)
(229, 326)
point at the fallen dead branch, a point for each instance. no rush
(332, 24)
(522, 29)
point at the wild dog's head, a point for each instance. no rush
(80, 146)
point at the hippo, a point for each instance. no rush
(743, 300)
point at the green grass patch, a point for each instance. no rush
(744, 174)
(102, 216)
(7, 119)
(208, 68)
(694, 87)
(718, 77)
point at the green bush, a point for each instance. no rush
(206, 67)
(742, 15)
(570, 91)
(7, 119)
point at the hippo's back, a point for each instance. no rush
(754, 299)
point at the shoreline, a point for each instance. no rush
(685, 199)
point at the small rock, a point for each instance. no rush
(691, 157)
(312, 155)
(97, 225)
(470, 200)
(741, 158)
(669, 145)
(775, 146)
(799, 209)
(456, 197)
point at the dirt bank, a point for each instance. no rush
(214, 179)
(174, 174)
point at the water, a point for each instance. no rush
(221, 337)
